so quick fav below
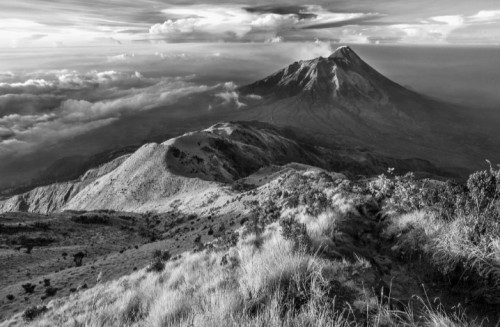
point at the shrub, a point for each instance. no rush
(78, 258)
(296, 232)
(29, 288)
(262, 215)
(50, 291)
(226, 241)
(157, 263)
(33, 312)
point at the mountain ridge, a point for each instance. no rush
(202, 162)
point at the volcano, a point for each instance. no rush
(341, 99)
(341, 76)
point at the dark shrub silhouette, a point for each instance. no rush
(33, 312)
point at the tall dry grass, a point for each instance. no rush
(272, 284)
(447, 245)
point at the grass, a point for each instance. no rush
(447, 245)
(271, 285)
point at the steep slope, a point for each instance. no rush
(343, 99)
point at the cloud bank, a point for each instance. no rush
(64, 104)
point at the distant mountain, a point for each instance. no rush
(342, 99)
(343, 77)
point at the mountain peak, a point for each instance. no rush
(343, 76)
(346, 56)
(343, 52)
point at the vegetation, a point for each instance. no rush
(32, 312)
(158, 261)
(456, 228)
(320, 251)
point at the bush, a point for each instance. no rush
(50, 291)
(157, 263)
(28, 288)
(32, 313)
(296, 232)
(262, 215)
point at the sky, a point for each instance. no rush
(71, 68)
(63, 23)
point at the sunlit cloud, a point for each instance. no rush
(58, 23)
(203, 23)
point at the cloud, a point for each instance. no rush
(238, 23)
(65, 104)
(37, 23)
(275, 22)
(27, 104)
(276, 39)
(120, 57)
(205, 22)
(455, 28)
(63, 81)
(230, 96)
(454, 20)
(485, 16)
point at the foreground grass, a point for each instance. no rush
(454, 228)
(272, 284)
(447, 245)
